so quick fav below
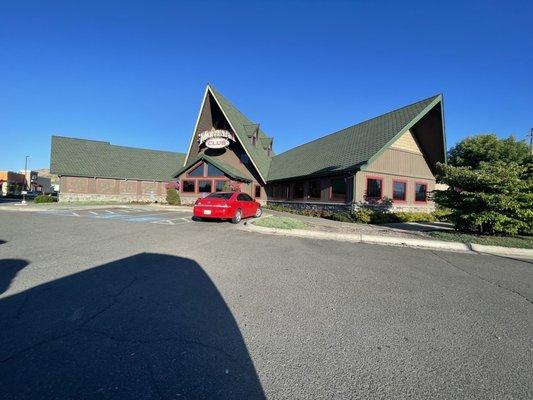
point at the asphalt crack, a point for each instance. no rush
(483, 279)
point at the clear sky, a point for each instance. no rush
(133, 73)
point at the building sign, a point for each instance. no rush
(215, 138)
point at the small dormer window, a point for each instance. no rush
(269, 150)
(254, 139)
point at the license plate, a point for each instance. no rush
(207, 212)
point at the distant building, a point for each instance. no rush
(11, 183)
(37, 183)
(389, 160)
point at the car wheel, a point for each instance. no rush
(237, 218)
(259, 212)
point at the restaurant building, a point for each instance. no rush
(388, 161)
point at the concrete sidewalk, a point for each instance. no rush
(372, 234)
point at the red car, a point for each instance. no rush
(227, 205)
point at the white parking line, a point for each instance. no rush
(93, 213)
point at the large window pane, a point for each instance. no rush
(187, 186)
(398, 190)
(198, 171)
(299, 190)
(314, 190)
(204, 186)
(219, 186)
(213, 171)
(420, 192)
(338, 189)
(374, 188)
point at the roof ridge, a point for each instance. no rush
(116, 145)
(357, 124)
(80, 139)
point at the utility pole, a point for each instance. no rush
(25, 180)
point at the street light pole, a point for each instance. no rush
(25, 180)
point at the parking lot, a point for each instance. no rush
(125, 214)
(122, 303)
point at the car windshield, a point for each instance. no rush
(224, 196)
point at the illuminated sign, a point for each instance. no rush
(215, 138)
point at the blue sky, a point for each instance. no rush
(133, 73)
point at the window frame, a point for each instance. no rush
(425, 192)
(256, 186)
(293, 197)
(330, 191)
(183, 185)
(382, 187)
(319, 189)
(194, 168)
(215, 181)
(404, 200)
(204, 180)
(206, 171)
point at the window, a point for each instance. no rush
(225, 196)
(281, 191)
(257, 191)
(198, 171)
(204, 186)
(299, 190)
(187, 186)
(398, 190)
(421, 192)
(244, 197)
(374, 188)
(219, 186)
(338, 189)
(314, 190)
(213, 171)
(254, 140)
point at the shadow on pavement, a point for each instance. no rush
(146, 326)
(9, 268)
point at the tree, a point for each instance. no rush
(495, 198)
(473, 150)
(173, 197)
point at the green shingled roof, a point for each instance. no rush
(349, 148)
(243, 129)
(227, 169)
(79, 157)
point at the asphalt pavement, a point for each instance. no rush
(102, 307)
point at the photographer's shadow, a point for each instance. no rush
(147, 326)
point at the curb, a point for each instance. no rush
(393, 241)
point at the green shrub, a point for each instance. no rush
(414, 216)
(363, 216)
(495, 198)
(442, 214)
(43, 198)
(173, 197)
(343, 217)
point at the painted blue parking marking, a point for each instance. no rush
(164, 218)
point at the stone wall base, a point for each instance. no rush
(338, 207)
(122, 198)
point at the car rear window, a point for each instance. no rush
(225, 196)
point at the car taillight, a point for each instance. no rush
(225, 205)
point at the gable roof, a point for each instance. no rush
(227, 169)
(349, 149)
(91, 158)
(244, 129)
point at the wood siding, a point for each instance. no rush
(396, 164)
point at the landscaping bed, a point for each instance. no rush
(280, 223)
(522, 242)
